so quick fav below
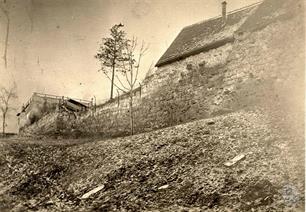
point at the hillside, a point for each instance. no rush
(172, 169)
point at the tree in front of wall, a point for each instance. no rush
(129, 69)
(6, 96)
(122, 56)
(110, 53)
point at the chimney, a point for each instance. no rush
(224, 15)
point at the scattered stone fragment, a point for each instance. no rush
(49, 202)
(163, 187)
(93, 191)
(210, 123)
(234, 160)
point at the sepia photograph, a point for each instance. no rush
(152, 105)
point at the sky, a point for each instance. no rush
(52, 43)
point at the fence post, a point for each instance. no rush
(92, 107)
(95, 105)
(118, 98)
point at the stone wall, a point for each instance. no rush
(173, 95)
(263, 69)
(47, 125)
(267, 66)
(37, 107)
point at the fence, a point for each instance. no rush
(60, 98)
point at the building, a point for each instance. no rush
(41, 104)
(206, 35)
(224, 29)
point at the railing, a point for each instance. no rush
(85, 102)
(119, 97)
(62, 97)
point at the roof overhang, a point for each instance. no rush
(205, 48)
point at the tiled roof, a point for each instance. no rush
(205, 35)
(269, 11)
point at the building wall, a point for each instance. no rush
(262, 69)
(37, 108)
(47, 125)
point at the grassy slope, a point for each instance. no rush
(189, 158)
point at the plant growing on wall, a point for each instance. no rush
(110, 53)
(6, 95)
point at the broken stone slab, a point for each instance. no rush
(234, 160)
(163, 187)
(93, 191)
(49, 202)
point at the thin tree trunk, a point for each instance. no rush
(131, 113)
(112, 84)
(131, 104)
(3, 124)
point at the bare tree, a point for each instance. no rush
(4, 8)
(6, 95)
(129, 69)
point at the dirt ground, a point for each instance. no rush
(179, 168)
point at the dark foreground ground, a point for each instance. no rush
(174, 169)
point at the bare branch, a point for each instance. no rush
(114, 83)
(121, 83)
(5, 96)
(142, 52)
(127, 78)
(137, 69)
(144, 48)
(134, 45)
(124, 72)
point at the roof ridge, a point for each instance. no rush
(229, 13)
(246, 7)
